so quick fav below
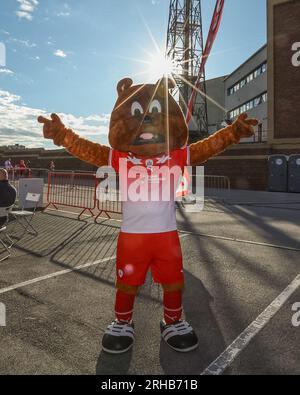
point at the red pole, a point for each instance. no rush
(213, 31)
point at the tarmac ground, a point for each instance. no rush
(242, 273)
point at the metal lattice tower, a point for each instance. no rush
(185, 47)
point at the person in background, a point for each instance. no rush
(29, 172)
(22, 167)
(52, 166)
(7, 164)
(8, 194)
(9, 168)
(22, 164)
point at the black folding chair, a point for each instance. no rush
(5, 239)
(24, 217)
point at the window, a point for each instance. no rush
(248, 79)
(249, 105)
(257, 101)
(231, 91)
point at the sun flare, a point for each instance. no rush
(160, 66)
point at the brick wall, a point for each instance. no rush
(245, 165)
(286, 76)
(249, 174)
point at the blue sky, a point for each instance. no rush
(67, 56)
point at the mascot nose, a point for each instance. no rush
(147, 119)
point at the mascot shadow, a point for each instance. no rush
(108, 365)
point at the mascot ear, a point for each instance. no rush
(164, 82)
(123, 85)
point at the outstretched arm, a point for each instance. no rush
(202, 150)
(93, 153)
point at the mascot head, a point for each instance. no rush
(146, 120)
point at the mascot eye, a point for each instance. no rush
(155, 107)
(136, 109)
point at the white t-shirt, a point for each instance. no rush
(148, 201)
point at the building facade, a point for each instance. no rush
(246, 91)
(270, 93)
(216, 113)
(284, 72)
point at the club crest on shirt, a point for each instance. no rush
(149, 163)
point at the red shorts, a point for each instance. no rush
(161, 252)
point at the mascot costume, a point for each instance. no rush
(148, 129)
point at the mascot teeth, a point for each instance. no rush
(147, 136)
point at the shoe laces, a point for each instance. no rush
(178, 328)
(118, 328)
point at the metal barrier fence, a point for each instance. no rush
(217, 187)
(16, 173)
(108, 202)
(76, 190)
(40, 173)
(83, 190)
(260, 136)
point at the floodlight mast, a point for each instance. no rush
(185, 47)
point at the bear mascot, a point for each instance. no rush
(148, 130)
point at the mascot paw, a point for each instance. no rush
(52, 127)
(243, 126)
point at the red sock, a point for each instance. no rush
(124, 306)
(172, 306)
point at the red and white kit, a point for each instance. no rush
(149, 238)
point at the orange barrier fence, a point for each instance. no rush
(76, 190)
(108, 202)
